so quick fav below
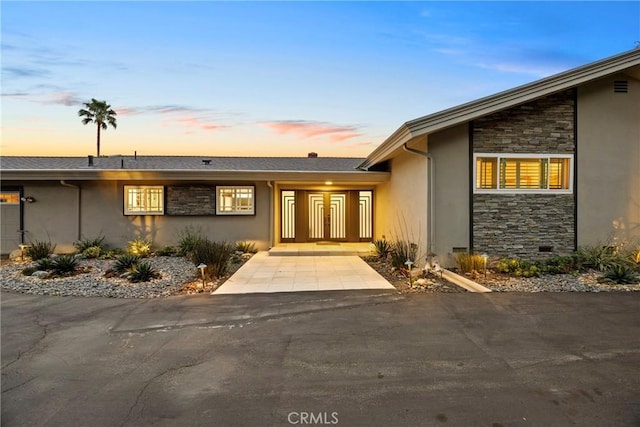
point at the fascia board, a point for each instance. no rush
(190, 175)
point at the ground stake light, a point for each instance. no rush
(202, 266)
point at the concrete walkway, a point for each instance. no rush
(302, 272)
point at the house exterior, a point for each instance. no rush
(534, 171)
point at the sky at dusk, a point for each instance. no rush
(276, 78)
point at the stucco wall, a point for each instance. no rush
(608, 162)
(518, 225)
(450, 153)
(401, 203)
(54, 217)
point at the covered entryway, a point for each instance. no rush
(326, 216)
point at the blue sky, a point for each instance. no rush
(276, 78)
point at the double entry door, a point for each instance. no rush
(311, 216)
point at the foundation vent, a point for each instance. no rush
(620, 86)
(206, 162)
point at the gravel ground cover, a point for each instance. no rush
(583, 282)
(177, 276)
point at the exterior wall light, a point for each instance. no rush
(28, 199)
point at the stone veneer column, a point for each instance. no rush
(517, 225)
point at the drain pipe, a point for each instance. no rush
(430, 195)
(271, 222)
(79, 211)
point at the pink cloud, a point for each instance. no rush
(195, 122)
(311, 129)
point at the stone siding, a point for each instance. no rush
(517, 225)
(191, 200)
(542, 126)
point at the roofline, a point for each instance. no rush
(509, 98)
(189, 175)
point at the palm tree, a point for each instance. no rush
(100, 113)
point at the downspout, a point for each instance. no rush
(430, 195)
(271, 222)
(79, 211)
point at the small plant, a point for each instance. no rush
(216, 255)
(112, 253)
(600, 257)
(569, 264)
(64, 265)
(143, 272)
(468, 263)
(124, 263)
(246, 247)
(620, 274)
(28, 271)
(139, 247)
(166, 251)
(517, 267)
(83, 244)
(188, 239)
(44, 264)
(39, 250)
(381, 247)
(401, 252)
(92, 252)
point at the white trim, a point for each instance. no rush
(522, 156)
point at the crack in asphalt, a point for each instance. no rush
(18, 385)
(45, 331)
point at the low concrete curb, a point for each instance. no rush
(463, 282)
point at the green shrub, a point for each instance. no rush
(216, 255)
(621, 274)
(468, 263)
(124, 263)
(166, 251)
(92, 252)
(39, 250)
(139, 247)
(83, 244)
(246, 247)
(44, 264)
(64, 265)
(403, 251)
(188, 239)
(600, 257)
(143, 272)
(112, 253)
(28, 271)
(517, 267)
(381, 247)
(569, 264)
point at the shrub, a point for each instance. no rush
(216, 255)
(28, 271)
(620, 274)
(166, 251)
(381, 247)
(83, 244)
(563, 264)
(468, 263)
(65, 264)
(403, 251)
(188, 239)
(112, 253)
(246, 247)
(92, 252)
(124, 263)
(44, 264)
(139, 247)
(143, 272)
(600, 257)
(39, 250)
(517, 267)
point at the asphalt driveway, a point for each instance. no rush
(361, 358)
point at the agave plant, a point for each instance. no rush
(143, 272)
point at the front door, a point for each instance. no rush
(327, 216)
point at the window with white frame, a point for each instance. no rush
(523, 173)
(143, 200)
(235, 200)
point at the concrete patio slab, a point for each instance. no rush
(265, 273)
